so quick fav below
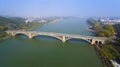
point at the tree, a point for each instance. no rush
(108, 31)
(117, 29)
(109, 28)
(110, 52)
(105, 33)
(3, 34)
(3, 28)
(97, 26)
(101, 34)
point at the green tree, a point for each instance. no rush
(101, 34)
(117, 29)
(3, 34)
(110, 28)
(97, 26)
(110, 52)
(3, 28)
(104, 33)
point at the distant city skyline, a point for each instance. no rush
(79, 8)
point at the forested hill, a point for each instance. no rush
(4, 20)
(11, 22)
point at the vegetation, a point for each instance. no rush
(2, 34)
(34, 26)
(107, 31)
(117, 40)
(15, 23)
(101, 31)
(97, 27)
(3, 28)
(111, 50)
(117, 30)
(11, 23)
(8, 23)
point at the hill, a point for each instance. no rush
(11, 22)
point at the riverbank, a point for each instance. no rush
(6, 37)
(35, 25)
(28, 27)
(40, 24)
(90, 29)
(106, 52)
(106, 62)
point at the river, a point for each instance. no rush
(44, 51)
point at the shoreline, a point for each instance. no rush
(33, 27)
(106, 62)
(5, 38)
(37, 25)
(91, 30)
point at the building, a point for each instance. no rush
(109, 21)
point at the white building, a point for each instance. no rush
(109, 21)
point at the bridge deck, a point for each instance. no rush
(60, 34)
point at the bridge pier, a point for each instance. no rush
(63, 39)
(93, 42)
(30, 35)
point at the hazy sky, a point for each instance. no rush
(81, 8)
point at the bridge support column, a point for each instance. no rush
(30, 35)
(12, 33)
(93, 42)
(63, 39)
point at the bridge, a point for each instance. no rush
(61, 36)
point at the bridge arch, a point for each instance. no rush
(56, 37)
(78, 39)
(96, 42)
(100, 42)
(17, 34)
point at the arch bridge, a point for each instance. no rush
(61, 36)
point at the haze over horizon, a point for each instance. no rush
(79, 8)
